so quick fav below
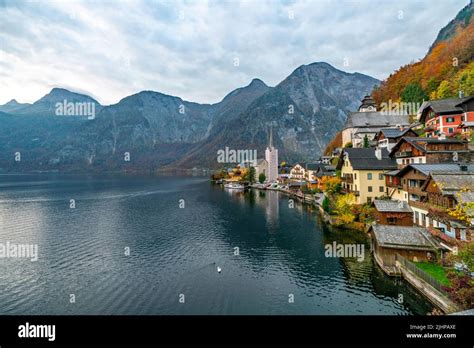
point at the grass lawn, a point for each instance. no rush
(434, 270)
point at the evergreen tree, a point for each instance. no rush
(413, 93)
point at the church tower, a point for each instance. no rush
(271, 156)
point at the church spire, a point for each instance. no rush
(271, 138)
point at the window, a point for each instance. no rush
(450, 130)
(381, 189)
(370, 188)
(392, 220)
(380, 176)
(369, 199)
(369, 176)
(449, 119)
(355, 176)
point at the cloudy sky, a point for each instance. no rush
(201, 50)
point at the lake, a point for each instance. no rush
(152, 245)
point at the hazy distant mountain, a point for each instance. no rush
(47, 104)
(12, 105)
(158, 130)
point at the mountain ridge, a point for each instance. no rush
(163, 131)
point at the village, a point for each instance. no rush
(406, 180)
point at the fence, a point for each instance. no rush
(422, 274)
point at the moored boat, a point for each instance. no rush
(234, 186)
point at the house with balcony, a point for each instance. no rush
(411, 150)
(397, 213)
(362, 172)
(444, 193)
(407, 185)
(298, 172)
(444, 116)
(387, 138)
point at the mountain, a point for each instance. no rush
(446, 69)
(162, 131)
(47, 104)
(12, 105)
(236, 102)
(305, 111)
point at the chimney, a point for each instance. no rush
(461, 94)
(378, 153)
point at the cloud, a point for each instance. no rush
(111, 49)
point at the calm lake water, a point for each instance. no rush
(177, 250)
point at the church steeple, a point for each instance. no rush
(368, 104)
(270, 144)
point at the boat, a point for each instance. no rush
(234, 186)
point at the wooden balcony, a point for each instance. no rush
(416, 191)
(404, 154)
(419, 205)
(349, 179)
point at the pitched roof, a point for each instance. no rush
(394, 132)
(420, 144)
(393, 172)
(427, 169)
(314, 166)
(365, 159)
(450, 183)
(392, 206)
(443, 106)
(403, 237)
(374, 119)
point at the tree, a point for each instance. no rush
(432, 85)
(444, 90)
(251, 175)
(332, 185)
(366, 141)
(326, 206)
(262, 178)
(461, 289)
(465, 80)
(342, 207)
(413, 93)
